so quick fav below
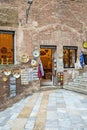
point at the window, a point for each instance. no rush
(69, 56)
(6, 47)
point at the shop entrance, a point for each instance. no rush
(47, 56)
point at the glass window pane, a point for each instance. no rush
(69, 56)
(66, 57)
(72, 58)
(6, 48)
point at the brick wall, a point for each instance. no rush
(50, 22)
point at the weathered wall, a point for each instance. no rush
(50, 22)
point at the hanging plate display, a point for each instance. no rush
(7, 72)
(36, 53)
(16, 73)
(33, 62)
(24, 58)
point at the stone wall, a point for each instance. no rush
(22, 90)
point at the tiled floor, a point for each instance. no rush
(48, 110)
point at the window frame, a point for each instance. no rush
(75, 48)
(13, 35)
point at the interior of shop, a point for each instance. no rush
(46, 58)
(6, 49)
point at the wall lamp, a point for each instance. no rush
(27, 10)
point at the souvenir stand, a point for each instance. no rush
(60, 78)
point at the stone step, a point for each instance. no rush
(77, 83)
(45, 88)
(76, 89)
(81, 77)
(76, 86)
(85, 74)
(80, 80)
(80, 83)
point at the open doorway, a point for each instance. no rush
(47, 56)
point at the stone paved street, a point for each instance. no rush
(48, 110)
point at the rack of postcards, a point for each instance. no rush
(60, 78)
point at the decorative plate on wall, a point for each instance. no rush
(16, 73)
(33, 62)
(7, 72)
(36, 53)
(24, 58)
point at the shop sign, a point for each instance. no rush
(85, 44)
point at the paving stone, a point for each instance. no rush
(6, 127)
(65, 123)
(52, 124)
(17, 124)
(78, 129)
(60, 110)
(51, 129)
(64, 128)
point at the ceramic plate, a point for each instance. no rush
(24, 58)
(36, 53)
(33, 63)
(7, 72)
